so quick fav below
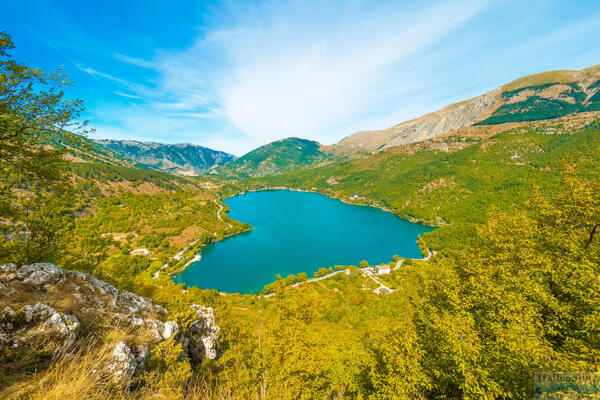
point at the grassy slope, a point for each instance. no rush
(454, 188)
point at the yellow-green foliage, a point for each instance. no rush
(513, 288)
(523, 297)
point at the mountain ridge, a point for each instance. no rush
(179, 158)
(544, 95)
(275, 157)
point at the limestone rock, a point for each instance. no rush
(40, 274)
(201, 339)
(123, 363)
(37, 312)
(133, 303)
(40, 324)
(169, 329)
(47, 318)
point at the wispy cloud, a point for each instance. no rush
(139, 62)
(235, 75)
(277, 70)
(130, 96)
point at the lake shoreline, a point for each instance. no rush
(373, 204)
(372, 255)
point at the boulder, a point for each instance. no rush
(40, 326)
(133, 303)
(201, 339)
(168, 330)
(40, 274)
(123, 363)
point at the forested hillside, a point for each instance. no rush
(273, 158)
(453, 181)
(512, 287)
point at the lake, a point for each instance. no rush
(298, 232)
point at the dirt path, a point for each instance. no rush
(229, 226)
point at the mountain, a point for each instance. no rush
(180, 159)
(541, 96)
(273, 158)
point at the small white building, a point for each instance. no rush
(382, 269)
(140, 251)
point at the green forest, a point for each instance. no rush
(513, 288)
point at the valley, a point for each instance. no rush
(103, 291)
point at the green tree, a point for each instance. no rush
(35, 195)
(302, 277)
(363, 264)
(291, 279)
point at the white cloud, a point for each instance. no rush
(296, 69)
(130, 96)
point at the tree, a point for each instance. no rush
(573, 216)
(291, 279)
(363, 264)
(302, 277)
(36, 125)
(321, 272)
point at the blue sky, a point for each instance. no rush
(234, 75)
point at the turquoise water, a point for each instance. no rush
(298, 232)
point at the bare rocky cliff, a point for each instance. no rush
(45, 310)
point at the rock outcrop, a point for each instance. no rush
(41, 306)
(200, 340)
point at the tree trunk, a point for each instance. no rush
(592, 233)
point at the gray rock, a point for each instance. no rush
(142, 352)
(134, 303)
(123, 364)
(38, 312)
(8, 268)
(64, 324)
(8, 313)
(7, 318)
(40, 274)
(161, 310)
(201, 339)
(46, 325)
(41, 327)
(168, 330)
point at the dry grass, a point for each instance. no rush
(81, 374)
(84, 373)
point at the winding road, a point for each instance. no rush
(368, 272)
(197, 257)
(229, 226)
